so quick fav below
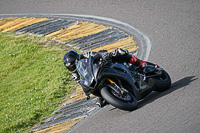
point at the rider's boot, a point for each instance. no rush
(101, 102)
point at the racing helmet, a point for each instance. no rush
(70, 59)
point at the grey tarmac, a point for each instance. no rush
(174, 31)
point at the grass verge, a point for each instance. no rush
(33, 81)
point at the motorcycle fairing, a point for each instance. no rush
(84, 69)
(120, 71)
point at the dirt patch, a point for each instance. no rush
(49, 43)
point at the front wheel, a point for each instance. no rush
(163, 82)
(125, 102)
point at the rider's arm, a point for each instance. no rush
(120, 55)
(88, 54)
(75, 75)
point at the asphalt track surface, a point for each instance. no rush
(174, 30)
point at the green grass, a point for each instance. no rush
(33, 81)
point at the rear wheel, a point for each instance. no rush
(163, 82)
(126, 101)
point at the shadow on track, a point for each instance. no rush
(155, 95)
(175, 86)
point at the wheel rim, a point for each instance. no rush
(163, 77)
(125, 97)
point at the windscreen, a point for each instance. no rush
(83, 67)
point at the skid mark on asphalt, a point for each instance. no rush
(83, 35)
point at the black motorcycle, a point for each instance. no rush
(121, 84)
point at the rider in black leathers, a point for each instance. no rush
(118, 55)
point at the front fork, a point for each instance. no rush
(116, 88)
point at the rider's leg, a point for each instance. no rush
(138, 62)
(121, 55)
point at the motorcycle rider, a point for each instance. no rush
(117, 55)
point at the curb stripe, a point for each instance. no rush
(83, 34)
(45, 26)
(24, 24)
(3, 21)
(10, 23)
(99, 38)
(63, 31)
(89, 37)
(105, 42)
(17, 24)
(34, 26)
(56, 27)
(77, 31)
(74, 105)
(61, 127)
(82, 109)
(126, 41)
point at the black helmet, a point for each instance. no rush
(70, 58)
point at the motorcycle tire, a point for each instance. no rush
(118, 103)
(163, 82)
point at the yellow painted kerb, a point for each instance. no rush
(77, 31)
(15, 23)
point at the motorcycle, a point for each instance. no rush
(121, 84)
